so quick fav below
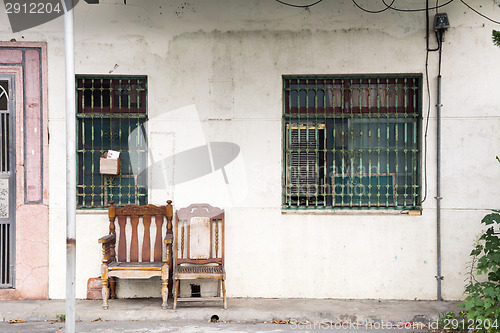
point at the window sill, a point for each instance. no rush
(414, 212)
(95, 211)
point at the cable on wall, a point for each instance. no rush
(478, 13)
(426, 130)
(298, 6)
(418, 9)
(390, 6)
(374, 11)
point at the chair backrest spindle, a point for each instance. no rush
(158, 245)
(199, 232)
(122, 239)
(146, 245)
(136, 222)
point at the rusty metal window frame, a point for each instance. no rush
(109, 109)
(351, 142)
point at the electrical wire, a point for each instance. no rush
(374, 11)
(417, 10)
(389, 6)
(478, 13)
(426, 124)
(439, 48)
(298, 6)
(428, 50)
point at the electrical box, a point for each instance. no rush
(441, 22)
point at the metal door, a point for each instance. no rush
(7, 182)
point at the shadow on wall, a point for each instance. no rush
(179, 153)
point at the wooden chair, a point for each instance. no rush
(128, 261)
(199, 248)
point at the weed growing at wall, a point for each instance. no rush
(483, 301)
(496, 37)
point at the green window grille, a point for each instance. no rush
(351, 142)
(109, 109)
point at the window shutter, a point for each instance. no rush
(303, 161)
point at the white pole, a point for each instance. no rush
(69, 49)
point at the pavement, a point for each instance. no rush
(32, 315)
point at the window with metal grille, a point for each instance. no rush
(351, 142)
(109, 109)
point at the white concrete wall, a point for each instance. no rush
(214, 74)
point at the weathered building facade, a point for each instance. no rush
(314, 128)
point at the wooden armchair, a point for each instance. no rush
(129, 261)
(199, 248)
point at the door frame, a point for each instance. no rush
(11, 108)
(27, 63)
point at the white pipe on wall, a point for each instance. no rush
(69, 49)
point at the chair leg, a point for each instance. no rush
(224, 294)
(112, 287)
(176, 292)
(105, 294)
(164, 286)
(105, 288)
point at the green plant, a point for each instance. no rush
(451, 322)
(483, 301)
(496, 37)
(61, 317)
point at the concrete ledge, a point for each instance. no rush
(239, 310)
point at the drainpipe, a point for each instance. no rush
(439, 277)
(441, 23)
(438, 187)
(69, 50)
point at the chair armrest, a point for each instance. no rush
(107, 239)
(108, 245)
(168, 239)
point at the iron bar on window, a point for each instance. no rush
(351, 142)
(109, 109)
